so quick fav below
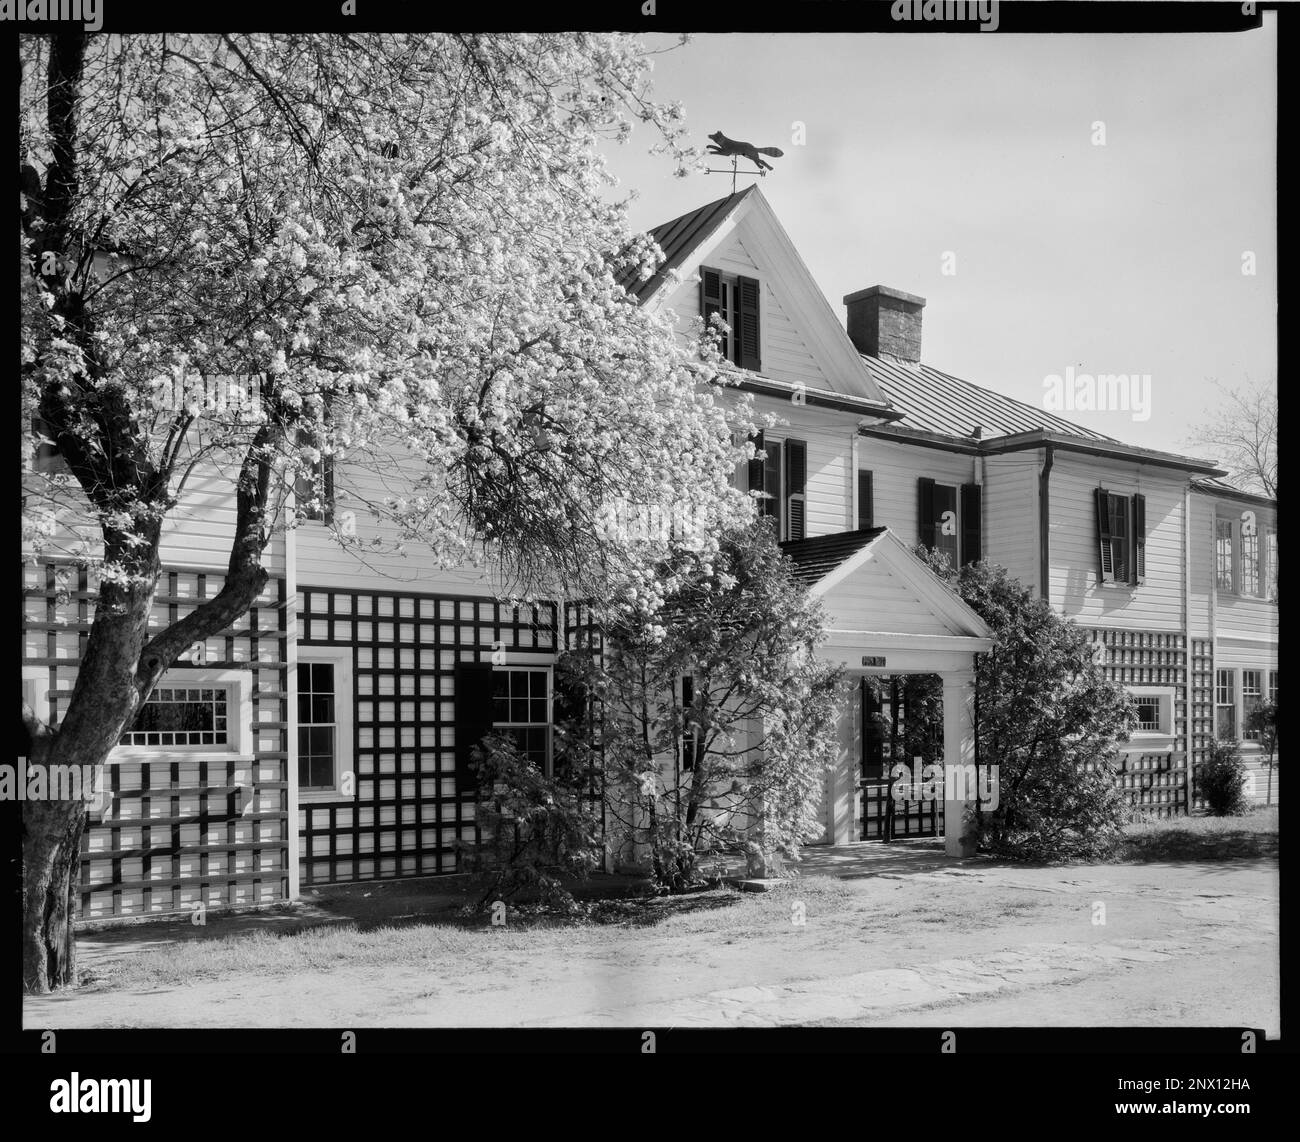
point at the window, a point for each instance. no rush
(690, 744)
(521, 704)
(737, 301)
(324, 688)
(1223, 554)
(1252, 694)
(780, 476)
(47, 454)
(948, 520)
(1154, 706)
(1121, 537)
(1250, 581)
(317, 725)
(1272, 685)
(192, 712)
(1225, 706)
(1270, 564)
(315, 493)
(1245, 555)
(1148, 714)
(866, 508)
(175, 716)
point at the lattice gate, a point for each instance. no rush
(901, 721)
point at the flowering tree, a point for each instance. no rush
(399, 246)
(738, 753)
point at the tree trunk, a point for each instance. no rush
(51, 858)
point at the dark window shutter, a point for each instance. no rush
(772, 483)
(1121, 539)
(756, 467)
(474, 716)
(925, 521)
(866, 510)
(1105, 556)
(710, 293)
(688, 737)
(1139, 560)
(796, 479)
(970, 523)
(746, 324)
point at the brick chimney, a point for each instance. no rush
(885, 320)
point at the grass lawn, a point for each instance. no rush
(1202, 838)
(614, 925)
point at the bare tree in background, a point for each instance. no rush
(1244, 431)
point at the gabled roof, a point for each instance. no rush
(677, 238)
(815, 558)
(937, 402)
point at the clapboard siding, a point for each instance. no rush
(1245, 653)
(786, 353)
(371, 560)
(1075, 591)
(1010, 503)
(196, 535)
(829, 436)
(895, 470)
(1233, 614)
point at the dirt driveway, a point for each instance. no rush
(911, 942)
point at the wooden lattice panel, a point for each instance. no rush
(176, 832)
(405, 816)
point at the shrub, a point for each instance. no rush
(1049, 720)
(1219, 780)
(533, 829)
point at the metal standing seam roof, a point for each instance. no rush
(677, 238)
(931, 400)
(937, 402)
(815, 558)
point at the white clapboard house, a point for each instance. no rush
(337, 715)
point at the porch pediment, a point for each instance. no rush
(879, 596)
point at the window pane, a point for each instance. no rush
(1223, 553)
(322, 709)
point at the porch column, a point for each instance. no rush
(958, 754)
(842, 781)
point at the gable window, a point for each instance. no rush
(1121, 537)
(737, 301)
(1225, 706)
(780, 475)
(948, 520)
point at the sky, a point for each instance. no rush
(1122, 258)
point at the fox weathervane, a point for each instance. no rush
(730, 148)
